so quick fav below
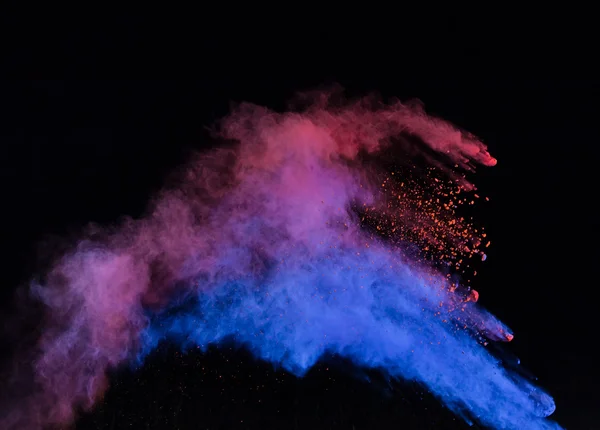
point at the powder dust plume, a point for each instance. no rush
(339, 227)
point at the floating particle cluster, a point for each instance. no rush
(426, 213)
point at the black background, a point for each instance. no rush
(96, 111)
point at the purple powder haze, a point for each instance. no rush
(290, 243)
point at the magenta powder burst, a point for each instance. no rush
(336, 228)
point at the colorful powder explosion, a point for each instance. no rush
(339, 228)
